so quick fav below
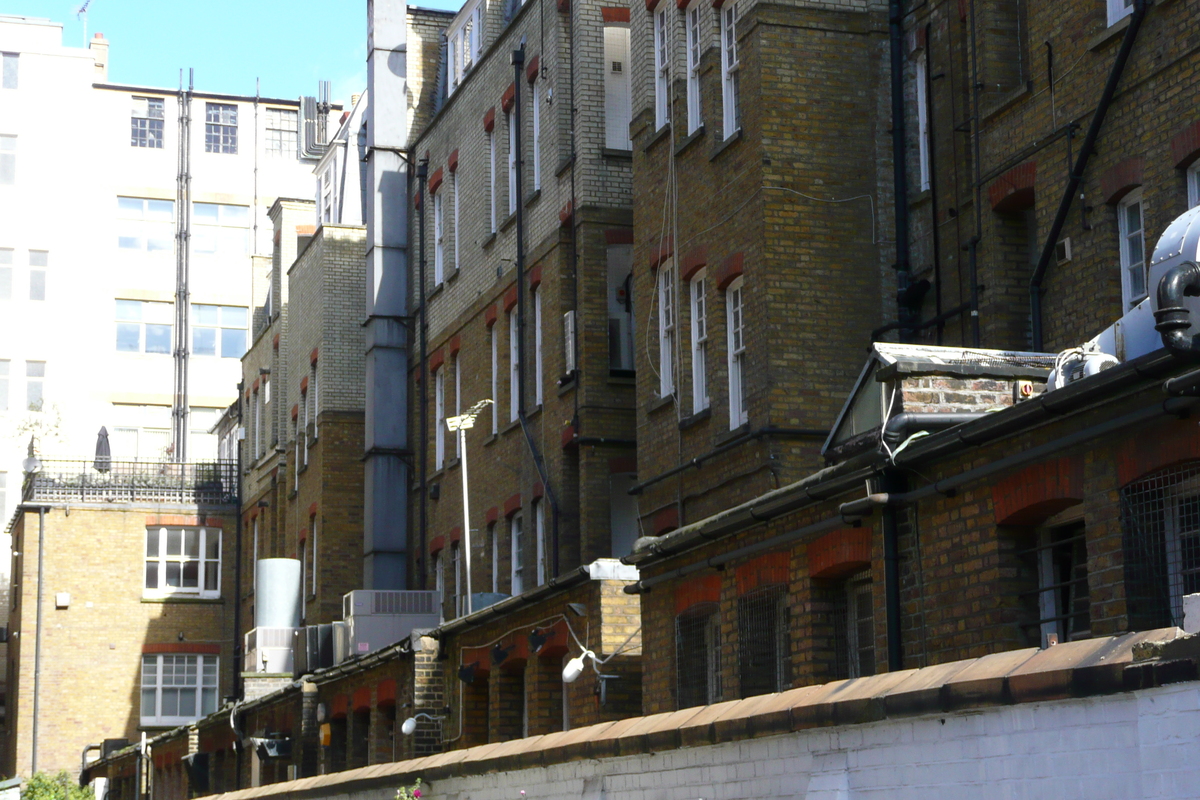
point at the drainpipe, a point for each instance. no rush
(518, 63)
(1076, 177)
(892, 482)
(37, 646)
(899, 164)
(423, 402)
(973, 244)
(236, 683)
(933, 185)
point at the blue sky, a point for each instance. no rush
(288, 45)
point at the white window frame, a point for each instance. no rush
(514, 384)
(207, 671)
(510, 121)
(539, 518)
(922, 124)
(697, 290)
(439, 417)
(439, 583)
(537, 135)
(11, 75)
(456, 564)
(537, 346)
(1193, 184)
(313, 526)
(694, 28)
(146, 122)
(662, 67)
(494, 535)
(464, 42)
(282, 126)
(730, 64)
(8, 159)
(221, 128)
(666, 329)
(439, 240)
(1129, 242)
(7, 257)
(458, 410)
(454, 221)
(516, 525)
(491, 143)
(736, 347)
(495, 404)
(1118, 10)
(206, 565)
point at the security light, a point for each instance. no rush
(574, 667)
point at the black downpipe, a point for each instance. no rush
(518, 62)
(1173, 317)
(973, 244)
(933, 185)
(236, 683)
(1076, 176)
(423, 462)
(899, 161)
(892, 483)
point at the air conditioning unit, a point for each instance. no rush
(340, 648)
(1062, 251)
(313, 646)
(377, 618)
(269, 650)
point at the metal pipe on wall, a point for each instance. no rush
(899, 159)
(423, 401)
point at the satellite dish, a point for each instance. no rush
(32, 465)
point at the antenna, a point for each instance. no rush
(81, 13)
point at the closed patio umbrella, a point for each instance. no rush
(103, 461)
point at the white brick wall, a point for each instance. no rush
(1139, 744)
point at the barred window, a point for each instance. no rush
(146, 122)
(1060, 606)
(762, 641)
(1161, 523)
(698, 656)
(854, 628)
(220, 128)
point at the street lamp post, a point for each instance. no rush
(462, 423)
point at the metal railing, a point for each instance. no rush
(193, 483)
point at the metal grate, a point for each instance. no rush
(129, 481)
(389, 602)
(762, 641)
(1061, 605)
(698, 656)
(854, 628)
(1161, 521)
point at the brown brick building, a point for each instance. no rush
(136, 591)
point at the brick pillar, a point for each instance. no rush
(544, 689)
(507, 701)
(310, 731)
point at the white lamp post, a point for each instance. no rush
(462, 423)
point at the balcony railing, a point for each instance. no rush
(192, 483)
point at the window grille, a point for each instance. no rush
(762, 641)
(698, 656)
(1061, 604)
(854, 628)
(220, 128)
(1161, 523)
(146, 122)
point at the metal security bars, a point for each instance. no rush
(212, 483)
(1161, 525)
(762, 641)
(698, 656)
(854, 628)
(1061, 605)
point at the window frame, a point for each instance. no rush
(539, 517)
(143, 325)
(514, 383)
(538, 372)
(221, 135)
(439, 417)
(280, 139)
(10, 71)
(1128, 265)
(661, 29)
(510, 122)
(693, 21)
(453, 181)
(1118, 10)
(439, 240)
(730, 67)
(666, 328)
(206, 564)
(495, 384)
(698, 300)
(35, 386)
(855, 585)
(537, 134)
(8, 159)
(516, 572)
(491, 143)
(1192, 177)
(698, 628)
(150, 134)
(220, 327)
(923, 166)
(205, 666)
(736, 353)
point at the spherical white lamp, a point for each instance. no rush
(409, 725)
(574, 667)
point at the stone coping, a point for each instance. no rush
(1074, 669)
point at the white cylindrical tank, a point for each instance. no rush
(277, 596)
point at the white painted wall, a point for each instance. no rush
(74, 159)
(1142, 744)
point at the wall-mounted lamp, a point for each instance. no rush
(574, 667)
(538, 639)
(409, 726)
(466, 673)
(499, 654)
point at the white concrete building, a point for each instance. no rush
(91, 216)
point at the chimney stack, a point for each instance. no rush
(99, 47)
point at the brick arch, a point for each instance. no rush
(1121, 179)
(1013, 190)
(695, 591)
(1038, 491)
(1185, 146)
(840, 553)
(1163, 446)
(766, 570)
(361, 699)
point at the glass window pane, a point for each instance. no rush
(37, 284)
(159, 239)
(191, 574)
(129, 337)
(129, 310)
(210, 577)
(151, 574)
(35, 369)
(174, 543)
(212, 544)
(207, 315)
(130, 207)
(152, 543)
(205, 213)
(158, 339)
(204, 242)
(233, 343)
(170, 703)
(235, 215)
(173, 574)
(187, 702)
(191, 543)
(39, 258)
(208, 702)
(130, 241)
(148, 703)
(204, 341)
(233, 316)
(160, 210)
(158, 312)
